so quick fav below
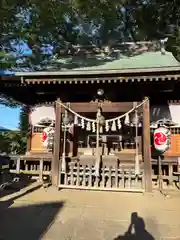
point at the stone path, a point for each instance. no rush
(76, 215)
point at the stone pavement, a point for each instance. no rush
(76, 215)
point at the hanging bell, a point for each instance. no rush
(75, 120)
(113, 128)
(135, 118)
(126, 121)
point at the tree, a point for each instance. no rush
(24, 121)
(173, 44)
(12, 142)
(61, 24)
(65, 24)
(15, 141)
(5, 145)
(24, 127)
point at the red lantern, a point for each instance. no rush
(44, 136)
(161, 138)
(47, 132)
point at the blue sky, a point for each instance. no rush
(9, 117)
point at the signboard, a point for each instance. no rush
(162, 140)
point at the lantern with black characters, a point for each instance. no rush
(162, 139)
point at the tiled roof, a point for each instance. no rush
(125, 56)
(144, 60)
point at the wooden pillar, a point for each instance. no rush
(56, 163)
(75, 141)
(28, 146)
(147, 147)
(29, 138)
(71, 141)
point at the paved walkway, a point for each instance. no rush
(77, 215)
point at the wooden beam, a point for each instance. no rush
(56, 155)
(106, 107)
(147, 147)
(28, 146)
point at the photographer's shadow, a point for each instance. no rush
(136, 230)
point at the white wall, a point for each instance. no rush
(157, 112)
(41, 112)
(170, 112)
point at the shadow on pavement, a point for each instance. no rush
(24, 181)
(136, 230)
(7, 203)
(28, 221)
(6, 177)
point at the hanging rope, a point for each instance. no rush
(127, 113)
(78, 115)
(108, 120)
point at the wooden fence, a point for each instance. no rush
(38, 166)
(83, 176)
(169, 167)
(118, 178)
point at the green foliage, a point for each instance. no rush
(15, 142)
(24, 121)
(7, 60)
(173, 44)
(65, 24)
(12, 142)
